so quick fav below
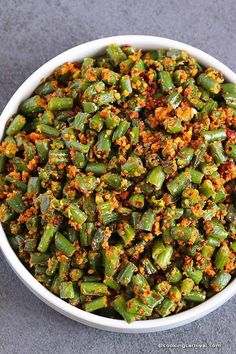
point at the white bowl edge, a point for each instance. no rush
(77, 53)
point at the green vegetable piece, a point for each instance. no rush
(60, 103)
(32, 105)
(64, 245)
(94, 289)
(126, 273)
(156, 177)
(96, 304)
(16, 125)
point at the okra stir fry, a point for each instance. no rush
(118, 183)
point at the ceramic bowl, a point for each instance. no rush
(77, 53)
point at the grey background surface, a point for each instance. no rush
(32, 32)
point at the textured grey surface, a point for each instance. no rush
(32, 32)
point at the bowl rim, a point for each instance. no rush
(93, 48)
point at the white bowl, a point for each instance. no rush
(75, 54)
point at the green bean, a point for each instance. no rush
(103, 147)
(220, 281)
(112, 284)
(96, 122)
(194, 274)
(64, 266)
(58, 157)
(93, 89)
(207, 168)
(94, 289)
(116, 181)
(104, 98)
(148, 266)
(163, 260)
(74, 213)
(216, 230)
(231, 215)
(157, 248)
(50, 131)
(38, 258)
(67, 290)
(76, 274)
(33, 185)
(174, 99)
(55, 286)
(112, 121)
(31, 244)
(126, 273)
(136, 306)
(207, 188)
(98, 239)
(196, 296)
(106, 213)
(46, 88)
(133, 167)
(126, 65)
(212, 135)
(231, 150)
(127, 233)
(173, 125)
(89, 107)
(98, 169)
(183, 233)
(120, 130)
(32, 105)
(86, 184)
(47, 118)
(175, 294)
(32, 223)
(111, 260)
(115, 54)
(46, 238)
(209, 84)
(229, 94)
(134, 135)
(42, 147)
(125, 84)
(166, 307)
(80, 120)
(186, 286)
(165, 81)
(109, 77)
(156, 177)
(75, 301)
(119, 305)
(2, 163)
(218, 152)
(16, 125)
(185, 156)
(174, 276)
(222, 257)
(96, 304)
(137, 201)
(233, 245)
(16, 202)
(64, 245)
(52, 266)
(147, 220)
(60, 103)
(86, 234)
(177, 185)
(18, 183)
